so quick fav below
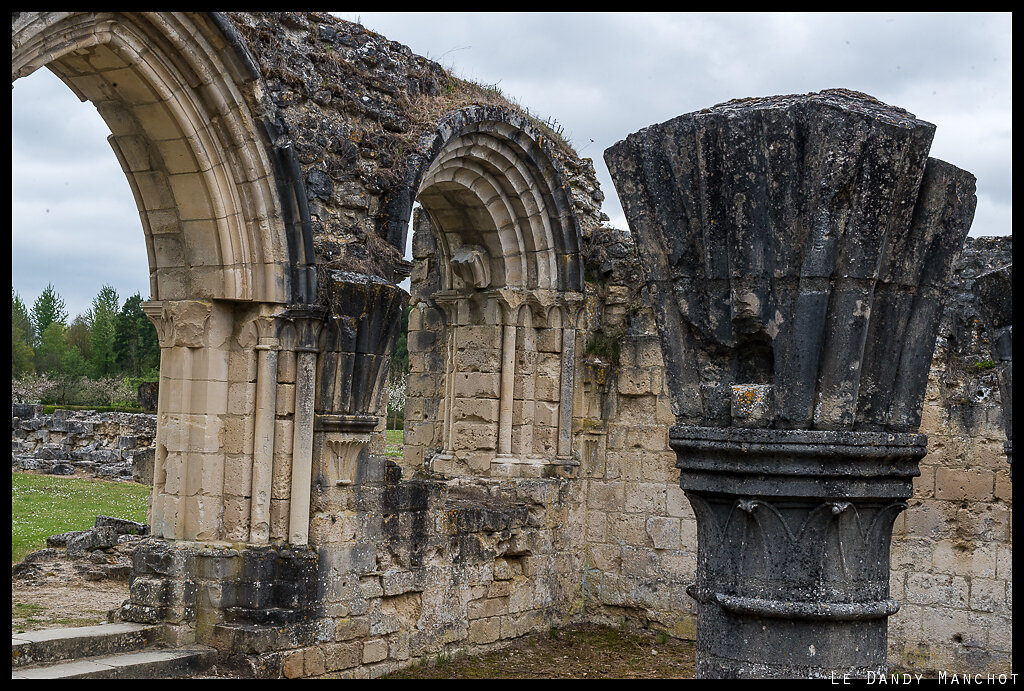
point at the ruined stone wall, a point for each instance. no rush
(113, 445)
(400, 563)
(951, 549)
(355, 107)
(438, 553)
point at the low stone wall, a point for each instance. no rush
(110, 445)
(407, 569)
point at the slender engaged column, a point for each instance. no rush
(263, 441)
(157, 314)
(508, 380)
(565, 393)
(306, 322)
(302, 447)
(449, 392)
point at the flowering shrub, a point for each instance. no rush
(30, 388)
(396, 399)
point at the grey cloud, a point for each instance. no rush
(600, 76)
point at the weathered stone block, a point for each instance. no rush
(339, 656)
(483, 631)
(974, 484)
(375, 650)
(664, 532)
(987, 595)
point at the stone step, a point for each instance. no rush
(144, 664)
(55, 645)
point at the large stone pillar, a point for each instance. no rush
(793, 533)
(796, 250)
(994, 291)
(188, 476)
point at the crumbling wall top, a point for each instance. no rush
(361, 113)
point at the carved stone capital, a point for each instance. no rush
(509, 300)
(448, 302)
(822, 273)
(180, 323)
(306, 321)
(268, 326)
(793, 533)
(346, 439)
(472, 264)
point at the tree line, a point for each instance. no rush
(103, 353)
(101, 356)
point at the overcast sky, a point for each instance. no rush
(600, 76)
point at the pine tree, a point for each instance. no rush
(47, 309)
(136, 346)
(78, 334)
(101, 333)
(53, 349)
(22, 337)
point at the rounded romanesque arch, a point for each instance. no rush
(499, 203)
(504, 268)
(172, 89)
(223, 211)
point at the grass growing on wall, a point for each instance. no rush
(44, 505)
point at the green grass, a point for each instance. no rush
(127, 408)
(393, 442)
(44, 505)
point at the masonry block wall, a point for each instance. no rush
(952, 548)
(117, 445)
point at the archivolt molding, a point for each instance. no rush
(173, 92)
(487, 178)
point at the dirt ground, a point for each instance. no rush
(583, 652)
(56, 595)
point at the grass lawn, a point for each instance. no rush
(44, 505)
(393, 442)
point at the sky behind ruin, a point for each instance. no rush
(599, 76)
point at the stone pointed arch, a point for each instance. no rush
(211, 189)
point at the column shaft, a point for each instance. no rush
(449, 393)
(263, 445)
(565, 394)
(302, 448)
(508, 371)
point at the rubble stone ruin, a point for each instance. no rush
(797, 249)
(776, 306)
(994, 292)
